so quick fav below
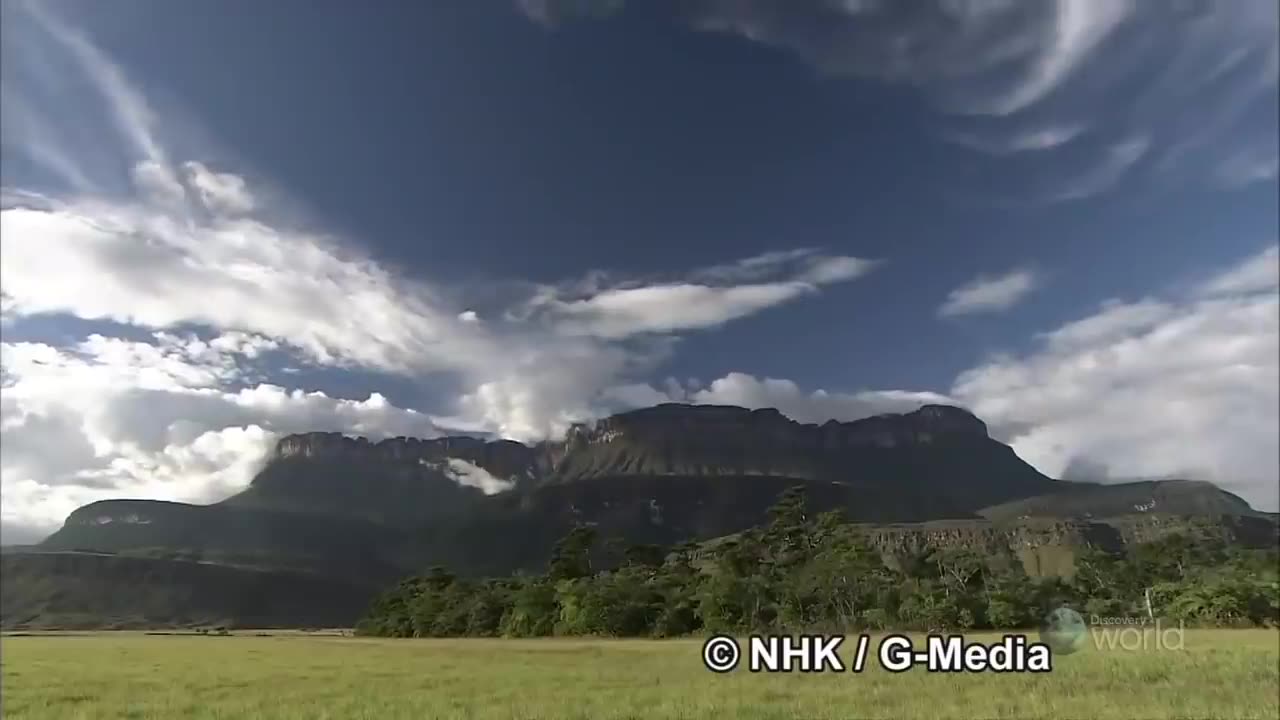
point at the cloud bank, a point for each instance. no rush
(1185, 386)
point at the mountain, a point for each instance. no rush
(365, 513)
(92, 590)
(1177, 497)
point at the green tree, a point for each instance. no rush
(571, 556)
(533, 610)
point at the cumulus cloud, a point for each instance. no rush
(749, 391)
(1185, 386)
(987, 294)
(158, 419)
(812, 407)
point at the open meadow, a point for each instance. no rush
(1217, 674)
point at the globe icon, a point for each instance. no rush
(1064, 631)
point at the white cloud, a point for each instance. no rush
(251, 346)
(664, 308)
(745, 390)
(1021, 141)
(154, 269)
(1196, 80)
(1115, 162)
(186, 417)
(1077, 29)
(129, 110)
(1186, 386)
(813, 407)
(190, 246)
(755, 267)
(1114, 320)
(639, 395)
(1259, 274)
(708, 298)
(466, 473)
(220, 192)
(990, 294)
(158, 183)
(112, 417)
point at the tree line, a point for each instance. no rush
(799, 573)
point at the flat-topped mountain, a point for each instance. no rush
(360, 512)
(935, 462)
(668, 439)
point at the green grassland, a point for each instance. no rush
(1218, 674)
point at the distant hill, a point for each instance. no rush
(365, 513)
(1178, 497)
(70, 590)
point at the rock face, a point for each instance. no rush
(669, 439)
(932, 463)
(501, 458)
(365, 513)
(722, 440)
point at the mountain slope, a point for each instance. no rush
(86, 590)
(367, 513)
(352, 508)
(1179, 497)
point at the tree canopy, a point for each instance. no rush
(798, 573)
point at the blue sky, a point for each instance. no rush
(225, 222)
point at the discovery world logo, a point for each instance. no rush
(1065, 631)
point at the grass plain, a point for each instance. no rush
(1217, 674)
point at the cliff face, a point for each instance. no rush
(669, 439)
(367, 512)
(504, 459)
(721, 440)
(935, 462)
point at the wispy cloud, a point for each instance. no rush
(706, 298)
(1197, 80)
(987, 294)
(130, 111)
(1259, 274)
(1116, 162)
(1022, 141)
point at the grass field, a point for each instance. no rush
(1218, 674)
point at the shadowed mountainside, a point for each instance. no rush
(366, 513)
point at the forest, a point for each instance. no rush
(803, 573)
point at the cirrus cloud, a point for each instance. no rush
(986, 294)
(1098, 91)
